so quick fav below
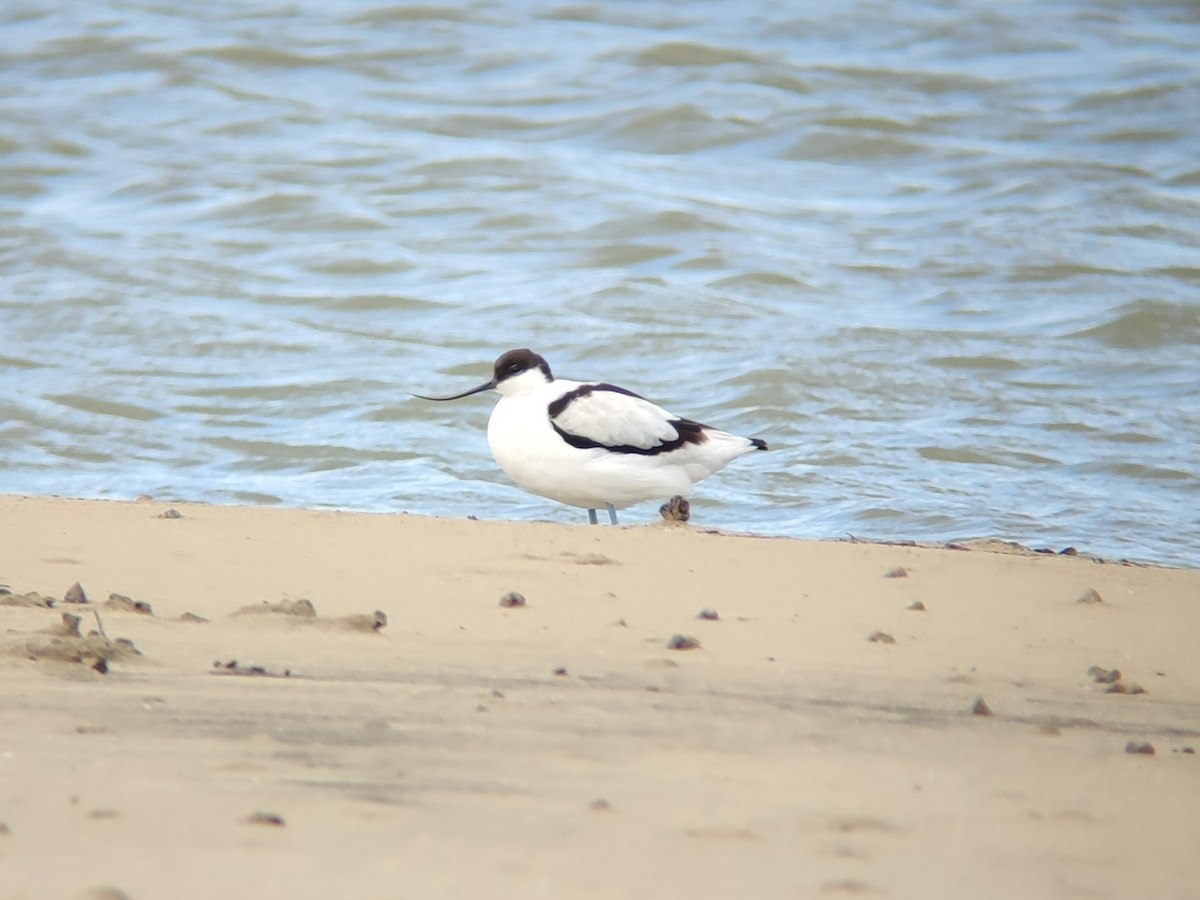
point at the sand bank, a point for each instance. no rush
(563, 748)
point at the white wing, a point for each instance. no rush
(611, 418)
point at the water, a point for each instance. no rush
(944, 257)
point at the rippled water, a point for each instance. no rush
(944, 257)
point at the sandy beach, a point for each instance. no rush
(822, 732)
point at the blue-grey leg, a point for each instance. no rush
(592, 520)
(612, 514)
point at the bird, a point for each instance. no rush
(592, 444)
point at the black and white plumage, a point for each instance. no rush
(595, 445)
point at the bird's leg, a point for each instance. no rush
(612, 514)
(592, 520)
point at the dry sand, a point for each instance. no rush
(562, 749)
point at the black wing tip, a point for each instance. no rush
(758, 443)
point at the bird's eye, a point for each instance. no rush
(514, 368)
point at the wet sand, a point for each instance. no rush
(404, 733)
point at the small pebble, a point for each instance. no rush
(264, 818)
(1140, 747)
(709, 614)
(1091, 595)
(600, 805)
(561, 671)
(1116, 688)
(1188, 750)
(881, 637)
(682, 642)
(980, 707)
(917, 606)
(75, 594)
(512, 599)
(120, 601)
(676, 510)
(1101, 675)
(897, 572)
(1136, 688)
(171, 514)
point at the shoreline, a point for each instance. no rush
(821, 739)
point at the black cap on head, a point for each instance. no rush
(514, 362)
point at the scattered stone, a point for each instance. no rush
(497, 693)
(512, 600)
(917, 606)
(1116, 688)
(1190, 751)
(881, 637)
(233, 667)
(600, 805)
(676, 511)
(1068, 551)
(75, 594)
(897, 572)
(682, 642)
(4, 829)
(1050, 729)
(480, 708)
(708, 615)
(64, 643)
(265, 818)
(171, 513)
(1136, 688)
(68, 627)
(1144, 747)
(363, 621)
(1091, 595)
(192, 617)
(1101, 675)
(980, 707)
(561, 671)
(621, 622)
(302, 610)
(120, 601)
(30, 599)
